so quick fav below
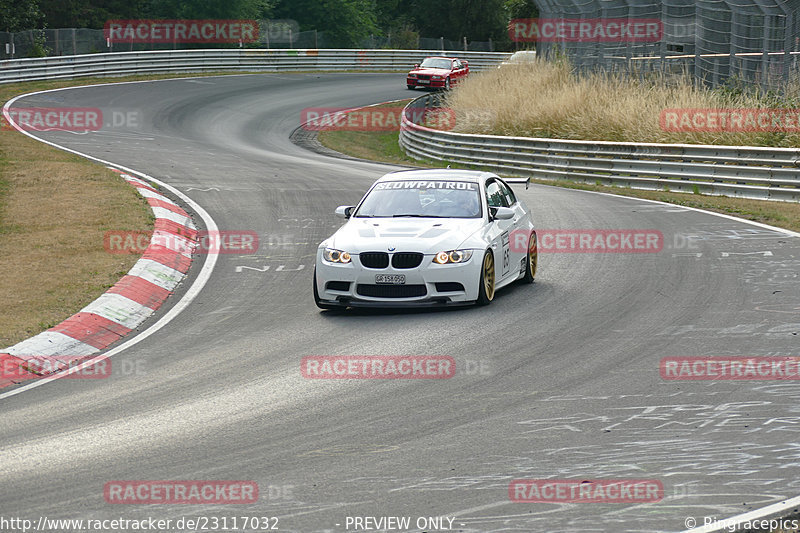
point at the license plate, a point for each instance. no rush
(423, 81)
(390, 279)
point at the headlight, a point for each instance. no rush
(453, 256)
(335, 256)
(436, 77)
(412, 75)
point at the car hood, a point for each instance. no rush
(431, 71)
(426, 235)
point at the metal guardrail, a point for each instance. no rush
(266, 60)
(738, 171)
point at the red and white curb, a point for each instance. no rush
(123, 307)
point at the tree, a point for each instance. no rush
(18, 15)
(519, 9)
(345, 22)
(478, 20)
(522, 9)
(95, 13)
(209, 9)
(89, 13)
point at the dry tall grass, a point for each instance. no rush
(546, 99)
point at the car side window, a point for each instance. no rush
(494, 195)
(456, 64)
(509, 194)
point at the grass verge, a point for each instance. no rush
(55, 208)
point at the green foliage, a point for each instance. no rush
(455, 19)
(521, 9)
(345, 22)
(210, 9)
(38, 49)
(95, 13)
(403, 38)
(89, 13)
(18, 15)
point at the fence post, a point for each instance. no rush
(465, 43)
(290, 38)
(58, 44)
(734, 62)
(491, 46)
(315, 39)
(787, 46)
(74, 43)
(765, 56)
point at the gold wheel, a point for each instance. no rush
(532, 259)
(488, 276)
(533, 256)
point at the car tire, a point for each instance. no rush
(320, 304)
(411, 87)
(447, 84)
(487, 280)
(531, 259)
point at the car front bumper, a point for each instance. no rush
(354, 285)
(438, 84)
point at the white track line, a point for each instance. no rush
(723, 215)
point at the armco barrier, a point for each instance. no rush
(259, 60)
(739, 171)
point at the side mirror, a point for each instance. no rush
(343, 211)
(416, 65)
(501, 213)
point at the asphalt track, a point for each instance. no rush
(569, 385)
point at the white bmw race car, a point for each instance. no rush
(427, 237)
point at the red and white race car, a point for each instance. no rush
(438, 72)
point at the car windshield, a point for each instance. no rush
(432, 62)
(434, 199)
